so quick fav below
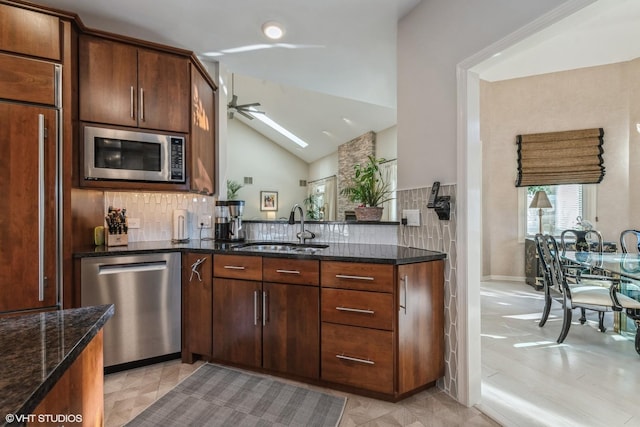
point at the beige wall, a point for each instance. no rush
(578, 99)
(272, 168)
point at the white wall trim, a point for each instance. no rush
(469, 204)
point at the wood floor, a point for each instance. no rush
(130, 392)
(592, 379)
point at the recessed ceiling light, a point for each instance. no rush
(212, 54)
(273, 30)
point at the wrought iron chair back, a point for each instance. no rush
(623, 240)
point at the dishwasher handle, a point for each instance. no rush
(136, 267)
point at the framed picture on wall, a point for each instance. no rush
(268, 200)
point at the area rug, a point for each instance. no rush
(219, 396)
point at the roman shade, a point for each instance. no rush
(569, 157)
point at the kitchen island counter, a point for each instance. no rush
(349, 252)
(36, 350)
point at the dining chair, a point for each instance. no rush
(583, 241)
(570, 295)
(623, 240)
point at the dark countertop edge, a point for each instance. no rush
(311, 221)
(113, 251)
(48, 383)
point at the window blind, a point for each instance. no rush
(554, 158)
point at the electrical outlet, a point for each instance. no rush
(205, 220)
(413, 217)
(133, 222)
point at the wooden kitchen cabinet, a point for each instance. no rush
(291, 319)
(237, 302)
(123, 84)
(197, 302)
(202, 136)
(382, 326)
(29, 32)
(237, 336)
(274, 324)
(28, 246)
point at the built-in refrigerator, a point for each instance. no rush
(30, 186)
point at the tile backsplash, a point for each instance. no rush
(155, 212)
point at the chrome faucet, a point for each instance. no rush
(303, 235)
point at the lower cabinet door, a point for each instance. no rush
(291, 329)
(237, 324)
(358, 357)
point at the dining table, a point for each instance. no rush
(624, 268)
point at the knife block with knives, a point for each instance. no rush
(115, 232)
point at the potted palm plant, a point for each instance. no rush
(369, 188)
(232, 189)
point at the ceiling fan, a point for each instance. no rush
(243, 109)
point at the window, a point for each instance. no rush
(568, 203)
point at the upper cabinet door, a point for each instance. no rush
(29, 33)
(163, 91)
(121, 84)
(108, 82)
(202, 140)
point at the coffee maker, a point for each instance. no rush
(236, 232)
(221, 230)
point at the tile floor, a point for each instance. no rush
(592, 379)
(128, 393)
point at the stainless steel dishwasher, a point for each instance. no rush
(146, 292)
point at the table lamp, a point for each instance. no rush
(540, 201)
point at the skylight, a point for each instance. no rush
(275, 126)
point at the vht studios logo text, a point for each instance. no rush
(43, 418)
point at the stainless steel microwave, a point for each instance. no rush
(115, 154)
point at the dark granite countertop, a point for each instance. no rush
(350, 252)
(37, 349)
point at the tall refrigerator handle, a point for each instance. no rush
(41, 203)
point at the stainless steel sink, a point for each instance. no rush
(280, 247)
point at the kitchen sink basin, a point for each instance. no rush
(303, 248)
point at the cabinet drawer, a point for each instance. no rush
(356, 275)
(237, 267)
(357, 357)
(296, 271)
(358, 308)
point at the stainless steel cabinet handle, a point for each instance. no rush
(404, 279)
(355, 310)
(288, 271)
(255, 308)
(194, 269)
(345, 276)
(355, 359)
(142, 104)
(131, 106)
(41, 185)
(234, 267)
(264, 308)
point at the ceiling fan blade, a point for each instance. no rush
(253, 104)
(248, 116)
